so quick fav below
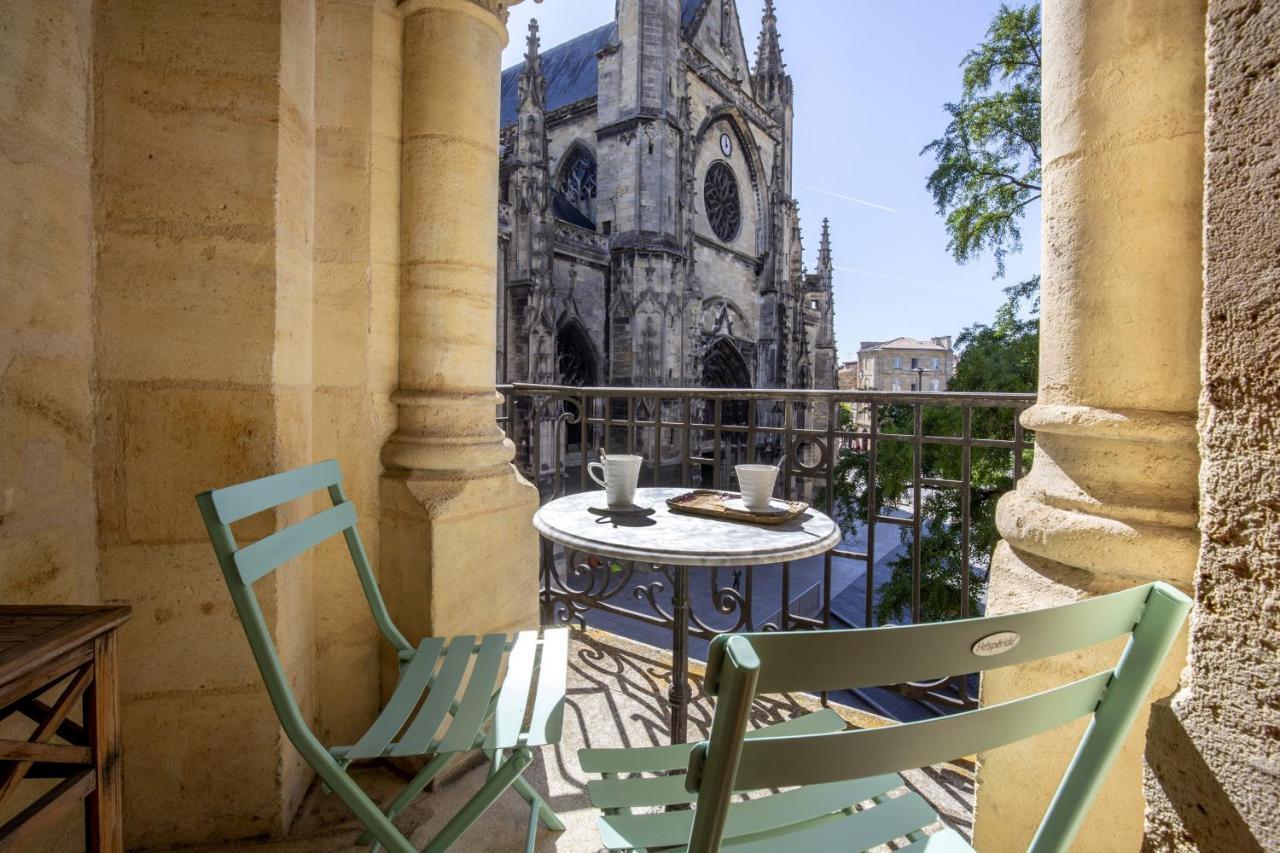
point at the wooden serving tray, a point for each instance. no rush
(711, 503)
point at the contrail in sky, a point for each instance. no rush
(916, 281)
(861, 201)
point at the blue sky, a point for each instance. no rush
(870, 81)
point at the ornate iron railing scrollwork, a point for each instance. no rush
(687, 441)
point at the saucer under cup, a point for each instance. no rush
(776, 507)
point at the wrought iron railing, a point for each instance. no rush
(929, 465)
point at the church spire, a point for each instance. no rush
(531, 46)
(533, 86)
(772, 83)
(824, 254)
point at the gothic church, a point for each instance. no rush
(648, 236)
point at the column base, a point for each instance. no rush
(459, 554)
(1016, 783)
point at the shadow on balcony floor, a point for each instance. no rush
(615, 698)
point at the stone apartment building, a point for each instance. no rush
(647, 231)
(904, 364)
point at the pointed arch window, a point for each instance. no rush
(577, 183)
(575, 366)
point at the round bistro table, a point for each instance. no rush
(664, 538)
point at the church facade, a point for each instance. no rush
(647, 232)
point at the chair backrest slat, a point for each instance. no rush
(769, 763)
(851, 659)
(241, 501)
(742, 666)
(260, 558)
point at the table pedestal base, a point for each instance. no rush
(678, 695)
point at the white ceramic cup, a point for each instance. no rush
(756, 482)
(619, 474)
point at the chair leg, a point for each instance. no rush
(411, 791)
(476, 806)
(376, 823)
(531, 837)
(539, 805)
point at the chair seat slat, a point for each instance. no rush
(661, 829)
(443, 688)
(258, 559)
(819, 758)
(403, 700)
(658, 759)
(475, 699)
(862, 830)
(508, 714)
(548, 703)
(241, 501)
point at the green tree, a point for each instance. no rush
(988, 159)
(987, 174)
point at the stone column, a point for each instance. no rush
(1111, 500)
(459, 553)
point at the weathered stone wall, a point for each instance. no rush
(583, 288)
(200, 268)
(204, 197)
(356, 324)
(48, 510)
(1213, 776)
(720, 42)
(48, 547)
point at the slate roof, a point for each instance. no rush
(688, 8)
(570, 67)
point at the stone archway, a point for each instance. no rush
(724, 367)
(576, 365)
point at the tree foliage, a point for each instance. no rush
(988, 159)
(988, 172)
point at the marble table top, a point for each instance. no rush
(661, 536)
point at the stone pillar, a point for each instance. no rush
(1111, 500)
(459, 553)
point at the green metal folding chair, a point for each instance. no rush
(841, 783)
(465, 707)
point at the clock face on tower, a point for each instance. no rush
(726, 145)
